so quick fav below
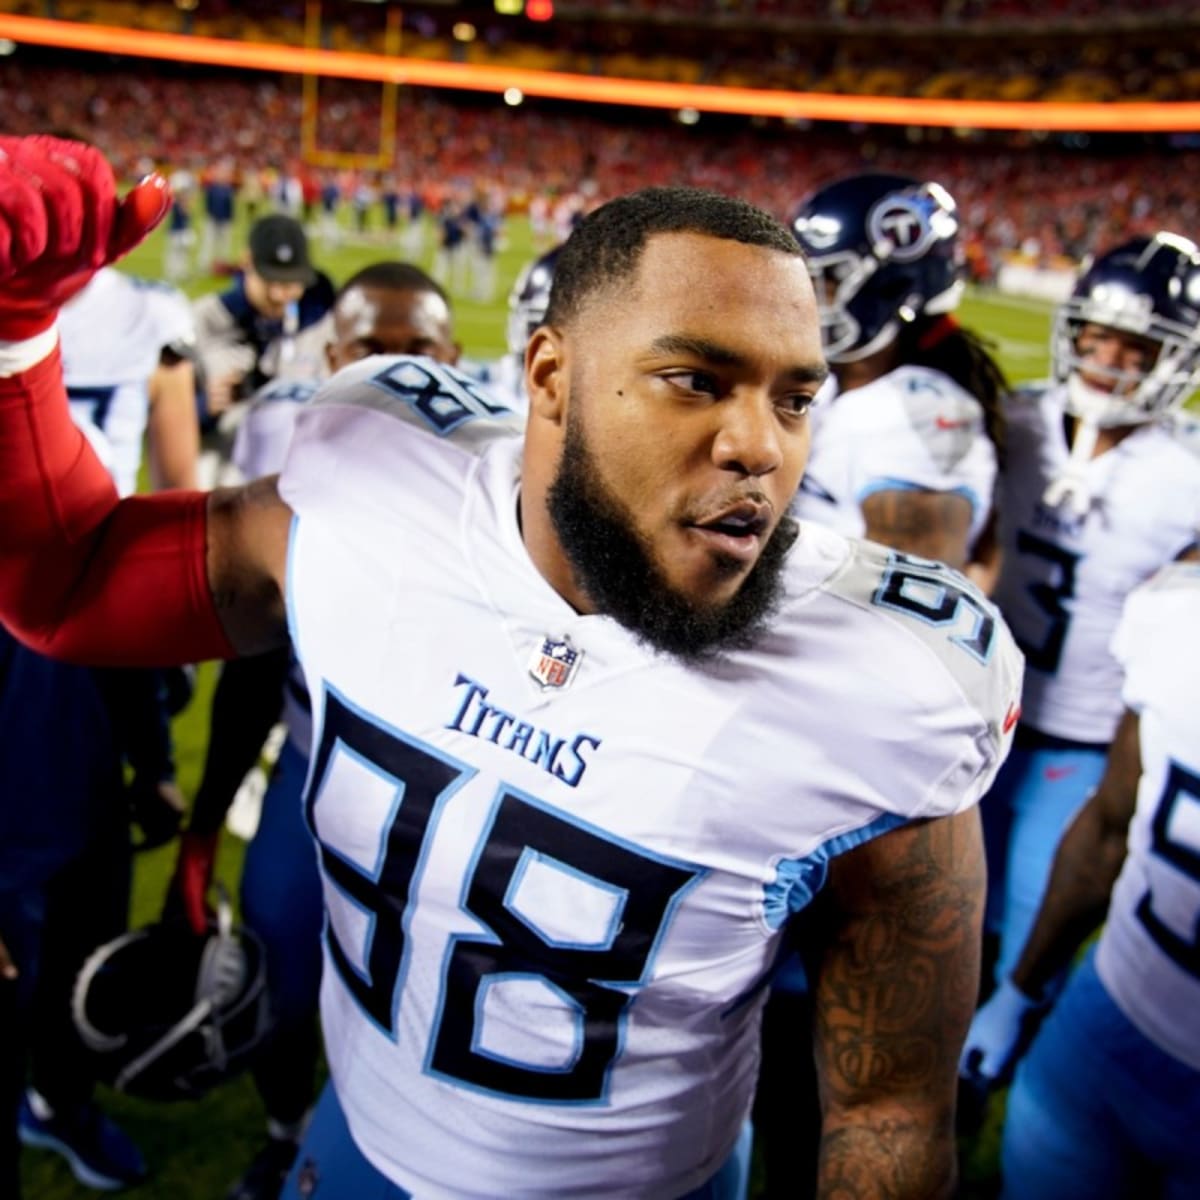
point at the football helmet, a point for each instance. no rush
(528, 300)
(1148, 287)
(883, 250)
(167, 1015)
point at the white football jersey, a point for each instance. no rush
(914, 429)
(556, 864)
(1065, 578)
(1149, 951)
(113, 334)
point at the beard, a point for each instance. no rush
(614, 566)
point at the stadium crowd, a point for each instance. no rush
(1039, 196)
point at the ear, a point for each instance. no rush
(331, 357)
(546, 374)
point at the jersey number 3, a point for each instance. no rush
(523, 846)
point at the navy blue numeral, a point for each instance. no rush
(1051, 598)
(1181, 787)
(596, 980)
(443, 398)
(423, 779)
(930, 592)
(590, 976)
(100, 399)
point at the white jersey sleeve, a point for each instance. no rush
(1149, 951)
(1065, 578)
(113, 335)
(556, 864)
(264, 434)
(913, 430)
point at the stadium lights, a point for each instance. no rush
(509, 8)
(513, 96)
(687, 116)
(463, 31)
(539, 10)
(7, 47)
(1132, 117)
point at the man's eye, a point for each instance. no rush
(797, 405)
(701, 382)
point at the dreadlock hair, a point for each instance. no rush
(943, 344)
(607, 245)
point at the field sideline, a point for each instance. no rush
(195, 1150)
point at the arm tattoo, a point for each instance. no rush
(932, 524)
(896, 988)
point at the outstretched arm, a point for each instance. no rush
(144, 581)
(896, 985)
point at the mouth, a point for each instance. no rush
(737, 531)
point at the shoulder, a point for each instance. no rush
(405, 423)
(893, 672)
(921, 614)
(1157, 640)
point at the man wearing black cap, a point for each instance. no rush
(243, 335)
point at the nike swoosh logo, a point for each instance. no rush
(1011, 717)
(1056, 773)
(947, 423)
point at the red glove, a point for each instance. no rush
(193, 876)
(60, 221)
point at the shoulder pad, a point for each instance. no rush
(418, 391)
(951, 617)
(946, 418)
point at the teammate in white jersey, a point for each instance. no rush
(1098, 494)
(592, 717)
(906, 443)
(127, 346)
(1108, 1098)
(386, 308)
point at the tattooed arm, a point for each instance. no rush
(932, 524)
(896, 985)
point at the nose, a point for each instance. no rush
(748, 440)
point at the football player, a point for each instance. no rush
(591, 714)
(1097, 495)
(906, 449)
(386, 308)
(1109, 1095)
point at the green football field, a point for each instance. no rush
(196, 1149)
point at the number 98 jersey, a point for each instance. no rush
(556, 865)
(1149, 952)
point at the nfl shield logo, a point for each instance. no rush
(554, 663)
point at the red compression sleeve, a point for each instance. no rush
(84, 575)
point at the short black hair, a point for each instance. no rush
(394, 277)
(606, 246)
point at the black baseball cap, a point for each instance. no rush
(279, 250)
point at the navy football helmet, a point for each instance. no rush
(883, 250)
(167, 1014)
(1148, 287)
(528, 300)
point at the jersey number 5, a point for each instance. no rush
(591, 979)
(1182, 946)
